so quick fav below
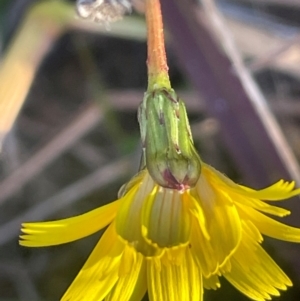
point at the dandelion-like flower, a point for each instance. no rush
(175, 243)
(179, 224)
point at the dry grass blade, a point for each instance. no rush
(268, 49)
(43, 24)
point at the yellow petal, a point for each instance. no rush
(194, 278)
(136, 181)
(51, 233)
(141, 284)
(128, 260)
(128, 219)
(174, 255)
(254, 273)
(100, 272)
(152, 218)
(223, 226)
(269, 226)
(252, 230)
(166, 219)
(175, 282)
(197, 212)
(259, 205)
(212, 282)
(202, 251)
(278, 191)
(126, 284)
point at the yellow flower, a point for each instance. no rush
(175, 243)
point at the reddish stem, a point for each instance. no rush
(157, 62)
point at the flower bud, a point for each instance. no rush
(169, 151)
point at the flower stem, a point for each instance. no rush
(158, 76)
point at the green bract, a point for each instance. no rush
(169, 151)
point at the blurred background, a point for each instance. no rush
(69, 91)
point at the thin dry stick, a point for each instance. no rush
(87, 120)
(270, 58)
(128, 100)
(279, 51)
(289, 3)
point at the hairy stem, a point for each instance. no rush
(157, 62)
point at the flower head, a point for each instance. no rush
(175, 243)
(179, 224)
